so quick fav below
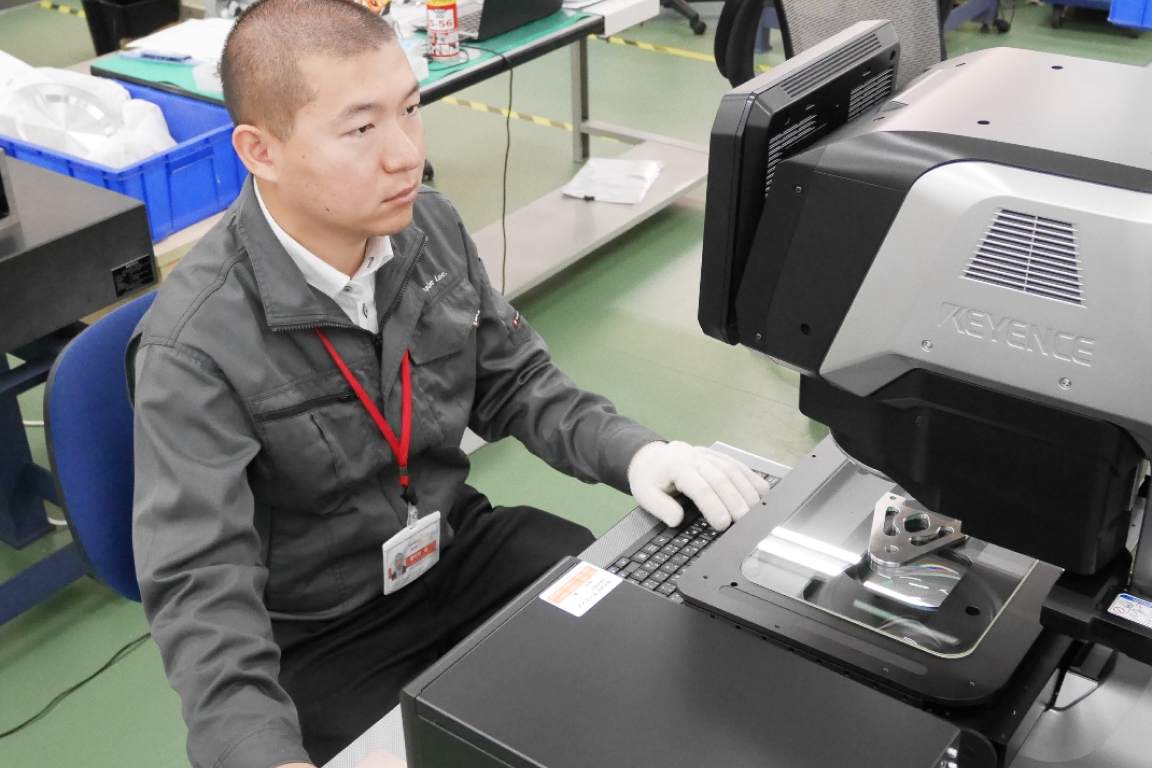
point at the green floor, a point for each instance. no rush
(622, 323)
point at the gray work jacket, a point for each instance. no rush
(264, 489)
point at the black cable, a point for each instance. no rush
(507, 154)
(120, 654)
(504, 191)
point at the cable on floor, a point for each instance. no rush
(118, 656)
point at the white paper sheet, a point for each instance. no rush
(614, 181)
(201, 39)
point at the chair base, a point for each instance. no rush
(681, 7)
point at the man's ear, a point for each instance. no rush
(253, 145)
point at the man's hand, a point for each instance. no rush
(382, 759)
(721, 487)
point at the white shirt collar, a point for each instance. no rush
(320, 274)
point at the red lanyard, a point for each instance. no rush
(399, 447)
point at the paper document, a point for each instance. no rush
(614, 181)
(201, 39)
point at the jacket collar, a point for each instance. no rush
(288, 300)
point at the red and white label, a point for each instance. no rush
(580, 589)
(443, 31)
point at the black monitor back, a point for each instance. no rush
(766, 120)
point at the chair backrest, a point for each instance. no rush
(88, 420)
(917, 24)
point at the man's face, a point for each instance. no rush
(355, 159)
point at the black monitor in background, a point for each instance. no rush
(781, 112)
(500, 16)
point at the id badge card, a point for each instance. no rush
(410, 553)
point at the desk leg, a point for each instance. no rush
(580, 144)
(22, 516)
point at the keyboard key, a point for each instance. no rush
(689, 550)
(639, 574)
(675, 597)
(658, 576)
(658, 558)
(634, 578)
(670, 567)
(640, 557)
(666, 588)
(613, 569)
(679, 541)
(630, 567)
(700, 543)
(622, 562)
(675, 577)
(679, 559)
(650, 548)
(661, 539)
(710, 534)
(670, 548)
(650, 584)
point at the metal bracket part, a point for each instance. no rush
(901, 533)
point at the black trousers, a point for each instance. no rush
(344, 675)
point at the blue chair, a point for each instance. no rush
(88, 420)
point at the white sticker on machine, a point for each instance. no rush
(1133, 609)
(580, 589)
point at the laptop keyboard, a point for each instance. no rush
(469, 23)
(658, 562)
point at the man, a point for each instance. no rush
(302, 384)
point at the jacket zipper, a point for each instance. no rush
(391, 309)
(311, 405)
(404, 285)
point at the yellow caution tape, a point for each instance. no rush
(681, 52)
(62, 9)
(544, 121)
(661, 49)
(548, 122)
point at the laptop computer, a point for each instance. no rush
(483, 19)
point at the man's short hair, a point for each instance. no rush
(263, 83)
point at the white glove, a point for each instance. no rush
(720, 486)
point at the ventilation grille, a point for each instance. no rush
(781, 142)
(869, 93)
(1030, 254)
(798, 83)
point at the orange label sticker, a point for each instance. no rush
(580, 589)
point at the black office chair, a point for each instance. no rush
(684, 9)
(804, 23)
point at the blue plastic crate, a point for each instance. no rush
(1131, 13)
(198, 177)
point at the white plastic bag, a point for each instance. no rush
(144, 134)
(92, 118)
